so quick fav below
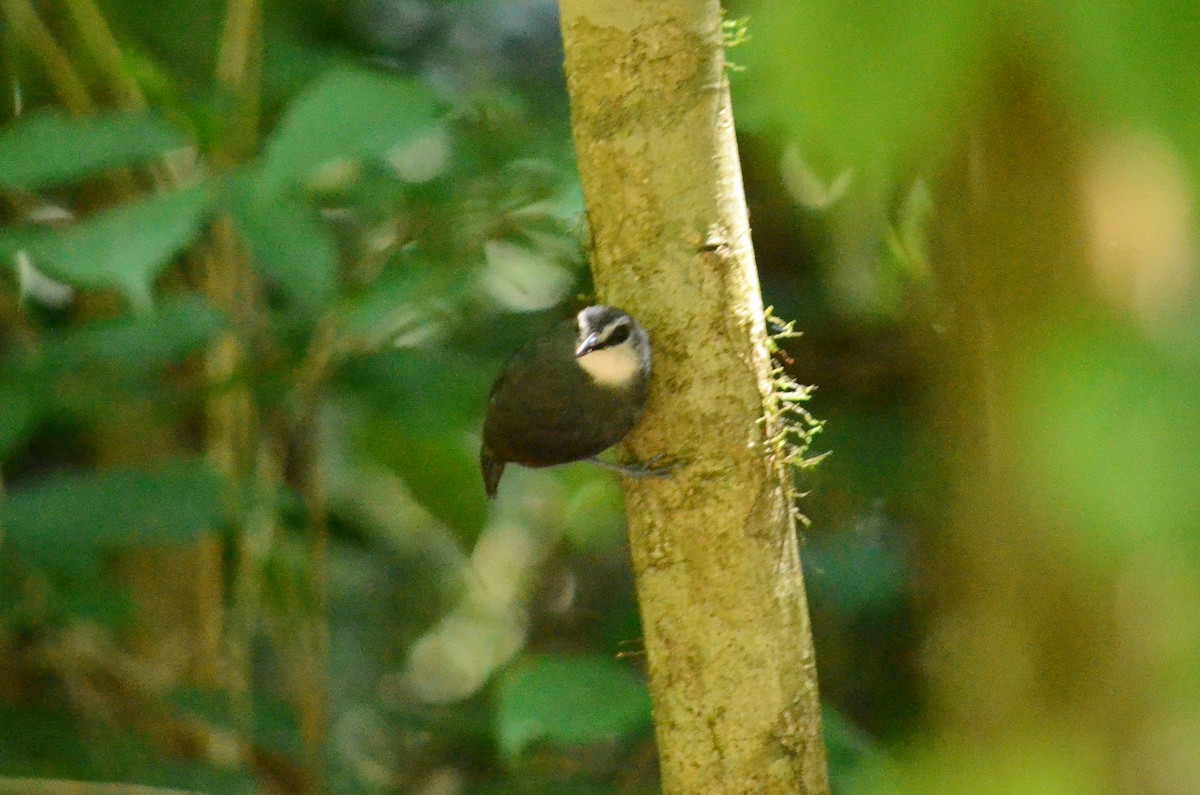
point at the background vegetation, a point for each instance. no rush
(260, 273)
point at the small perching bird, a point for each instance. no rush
(568, 395)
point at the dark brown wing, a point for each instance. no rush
(545, 410)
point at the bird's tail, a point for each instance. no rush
(492, 469)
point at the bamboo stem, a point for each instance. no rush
(231, 443)
(97, 37)
(239, 70)
(312, 674)
(36, 36)
(233, 427)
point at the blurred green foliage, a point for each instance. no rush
(125, 248)
(994, 204)
(568, 701)
(48, 148)
(241, 384)
(877, 84)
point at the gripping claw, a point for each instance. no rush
(660, 466)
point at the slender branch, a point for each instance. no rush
(312, 672)
(45, 786)
(239, 70)
(34, 34)
(97, 37)
(68, 85)
(234, 431)
(230, 438)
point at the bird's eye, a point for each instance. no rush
(618, 335)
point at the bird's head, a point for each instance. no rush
(611, 346)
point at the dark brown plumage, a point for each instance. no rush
(568, 395)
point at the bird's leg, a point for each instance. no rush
(657, 467)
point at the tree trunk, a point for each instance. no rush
(714, 546)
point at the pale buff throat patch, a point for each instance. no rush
(616, 366)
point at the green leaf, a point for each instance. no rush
(400, 301)
(440, 465)
(139, 342)
(20, 413)
(424, 425)
(66, 514)
(46, 149)
(859, 81)
(288, 242)
(1108, 427)
(1136, 63)
(124, 248)
(847, 748)
(346, 115)
(568, 701)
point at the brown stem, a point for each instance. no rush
(234, 432)
(45, 786)
(311, 671)
(239, 70)
(33, 33)
(97, 37)
(231, 447)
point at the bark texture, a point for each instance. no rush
(714, 546)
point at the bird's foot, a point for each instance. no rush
(660, 466)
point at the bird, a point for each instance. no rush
(568, 395)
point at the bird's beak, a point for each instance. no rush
(588, 345)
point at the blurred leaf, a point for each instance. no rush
(346, 115)
(19, 416)
(45, 149)
(422, 386)
(39, 289)
(427, 406)
(568, 701)
(274, 720)
(806, 187)
(123, 248)
(848, 749)
(594, 517)
(82, 588)
(49, 743)
(859, 81)
(212, 706)
(1137, 61)
(440, 466)
(288, 242)
(1040, 760)
(908, 238)
(404, 302)
(859, 572)
(1109, 429)
(41, 742)
(209, 778)
(523, 278)
(65, 514)
(139, 341)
